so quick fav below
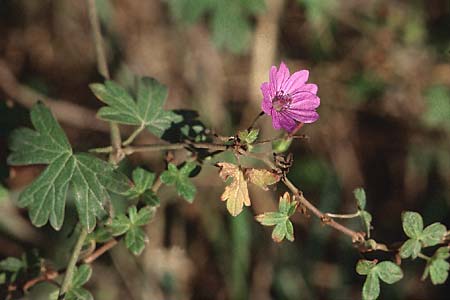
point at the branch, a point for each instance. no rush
(67, 112)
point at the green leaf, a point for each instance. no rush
(365, 266)
(283, 226)
(101, 235)
(143, 217)
(79, 294)
(271, 218)
(433, 234)
(360, 196)
(119, 225)
(410, 248)
(289, 231)
(389, 272)
(147, 111)
(149, 198)
(371, 288)
(135, 240)
(83, 176)
(2, 278)
(11, 264)
(366, 218)
(81, 275)
(180, 178)
(248, 137)
(281, 145)
(439, 271)
(437, 267)
(143, 180)
(412, 224)
(279, 232)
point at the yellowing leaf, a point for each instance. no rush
(262, 178)
(236, 194)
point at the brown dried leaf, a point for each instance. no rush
(262, 177)
(236, 194)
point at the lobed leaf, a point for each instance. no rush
(147, 111)
(82, 176)
(371, 287)
(236, 194)
(262, 177)
(180, 178)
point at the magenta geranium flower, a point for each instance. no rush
(288, 99)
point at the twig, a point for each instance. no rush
(162, 147)
(100, 251)
(343, 216)
(72, 263)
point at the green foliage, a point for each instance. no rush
(27, 266)
(144, 111)
(229, 19)
(11, 264)
(366, 217)
(180, 178)
(76, 291)
(135, 237)
(84, 177)
(437, 267)
(283, 226)
(418, 236)
(3, 193)
(143, 181)
(281, 145)
(387, 271)
(438, 107)
(248, 137)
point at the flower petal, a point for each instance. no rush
(275, 119)
(287, 122)
(304, 116)
(296, 81)
(273, 80)
(309, 87)
(282, 76)
(304, 101)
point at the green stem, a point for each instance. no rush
(67, 281)
(423, 256)
(254, 120)
(131, 138)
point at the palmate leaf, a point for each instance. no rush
(283, 226)
(146, 111)
(83, 176)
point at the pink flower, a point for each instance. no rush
(288, 99)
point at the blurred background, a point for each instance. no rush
(383, 73)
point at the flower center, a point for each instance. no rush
(281, 101)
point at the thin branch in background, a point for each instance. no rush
(102, 67)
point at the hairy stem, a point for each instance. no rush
(131, 138)
(72, 263)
